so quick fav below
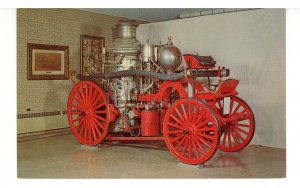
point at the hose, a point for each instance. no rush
(149, 74)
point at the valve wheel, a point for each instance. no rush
(88, 113)
(191, 131)
(237, 133)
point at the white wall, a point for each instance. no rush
(252, 45)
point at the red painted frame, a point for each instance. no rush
(226, 88)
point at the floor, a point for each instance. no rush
(64, 157)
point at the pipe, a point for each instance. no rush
(211, 73)
(149, 74)
(190, 91)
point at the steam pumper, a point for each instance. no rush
(154, 92)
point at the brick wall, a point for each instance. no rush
(55, 27)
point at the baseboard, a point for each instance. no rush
(43, 134)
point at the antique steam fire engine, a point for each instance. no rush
(146, 92)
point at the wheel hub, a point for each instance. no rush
(88, 112)
(228, 127)
(191, 129)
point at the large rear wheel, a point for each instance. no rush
(191, 131)
(88, 113)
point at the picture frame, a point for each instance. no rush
(47, 62)
(92, 50)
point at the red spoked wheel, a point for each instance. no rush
(191, 131)
(238, 126)
(88, 113)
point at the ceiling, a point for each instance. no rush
(147, 14)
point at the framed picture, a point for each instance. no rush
(48, 62)
(91, 54)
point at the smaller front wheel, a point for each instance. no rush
(237, 133)
(191, 131)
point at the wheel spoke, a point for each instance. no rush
(95, 104)
(90, 93)
(93, 98)
(100, 112)
(98, 123)
(185, 146)
(77, 119)
(190, 149)
(231, 106)
(234, 138)
(180, 143)
(86, 94)
(85, 131)
(98, 106)
(205, 129)
(180, 116)
(195, 115)
(93, 131)
(238, 135)
(242, 125)
(184, 113)
(202, 113)
(237, 108)
(80, 123)
(96, 128)
(229, 138)
(175, 126)
(195, 148)
(82, 95)
(206, 136)
(203, 141)
(177, 120)
(176, 138)
(241, 130)
(202, 123)
(99, 118)
(243, 111)
(89, 132)
(224, 138)
(77, 107)
(175, 132)
(83, 126)
(190, 112)
(78, 102)
(79, 97)
(200, 146)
